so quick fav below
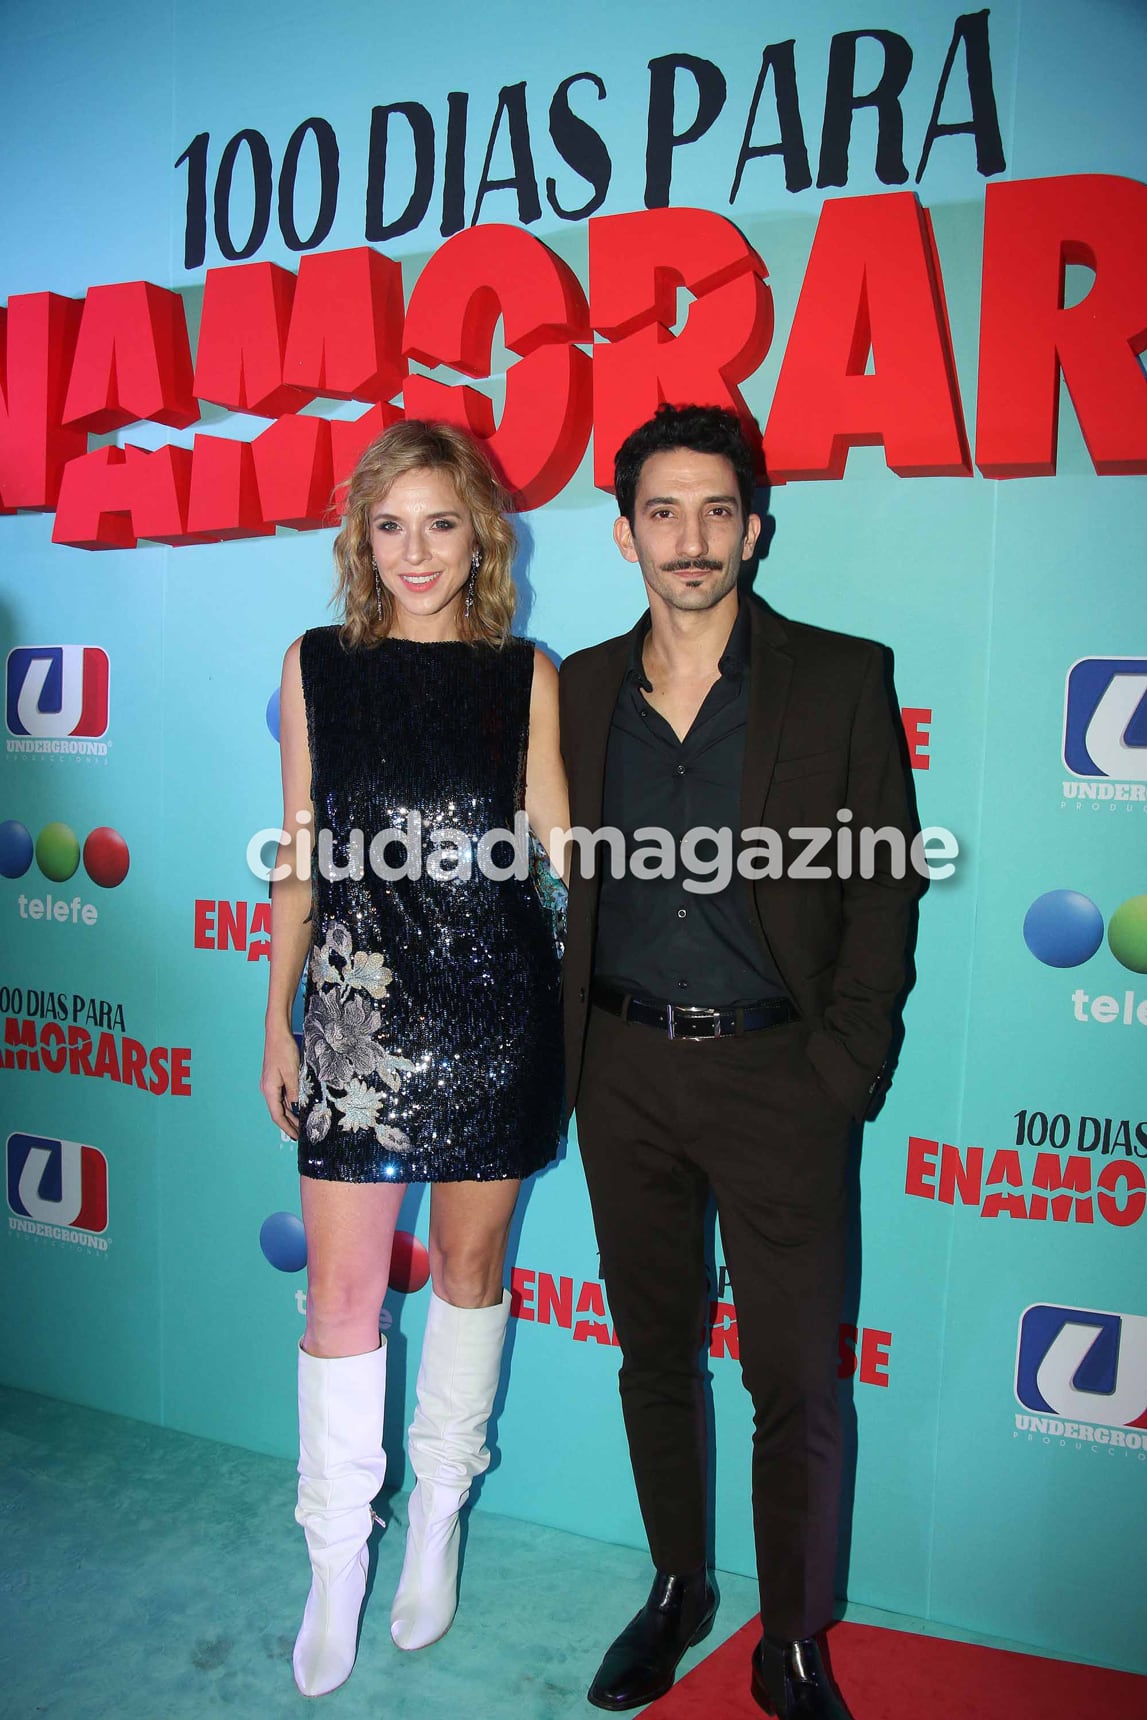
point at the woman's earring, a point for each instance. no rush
(377, 586)
(475, 564)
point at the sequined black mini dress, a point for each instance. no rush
(432, 1035)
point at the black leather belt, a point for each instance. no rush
(681, 1022)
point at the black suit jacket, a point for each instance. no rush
(823, 734)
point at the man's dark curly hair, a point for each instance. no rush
(703, 429)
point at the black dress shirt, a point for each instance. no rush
(655, 938)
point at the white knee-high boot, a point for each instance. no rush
(457, 1380)
(341, 1468)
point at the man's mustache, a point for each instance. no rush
(701, 566)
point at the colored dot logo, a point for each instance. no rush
(57, 852)
(1064, 929)
(409, 1263)
(284, 1246)
(273, 714)
(1127, 934)
(284, 1241)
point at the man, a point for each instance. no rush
(725, 1039)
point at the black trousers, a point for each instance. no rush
(661, 1123)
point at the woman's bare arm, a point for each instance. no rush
(290, 902)
(547, 797)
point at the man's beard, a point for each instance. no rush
(669, 586)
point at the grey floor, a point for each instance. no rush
(149, 1575)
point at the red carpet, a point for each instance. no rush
(934, 1680)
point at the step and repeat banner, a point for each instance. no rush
(912, 242)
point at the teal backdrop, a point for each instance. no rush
(1000, 1473)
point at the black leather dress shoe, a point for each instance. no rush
(790, 1680)
(639, 1666)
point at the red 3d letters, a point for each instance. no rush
(679, 308)
(478, 276)
(1033, 229)
(37, 340)
(132, 360)
(637, 266)
(872, 286)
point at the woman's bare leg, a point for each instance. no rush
(469, 1229)
(350, 1230)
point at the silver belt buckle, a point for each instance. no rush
(672, 1011)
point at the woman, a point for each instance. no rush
(432, 1048)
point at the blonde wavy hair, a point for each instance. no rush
(417, 446)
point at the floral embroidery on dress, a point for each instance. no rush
(369, 971)
(339, 1039)
(322, 972)
(396, 1139)
(306, 1087)
(359, 1106)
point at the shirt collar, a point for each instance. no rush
(732, 662)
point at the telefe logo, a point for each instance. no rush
(57, 852)
(1064, 929)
